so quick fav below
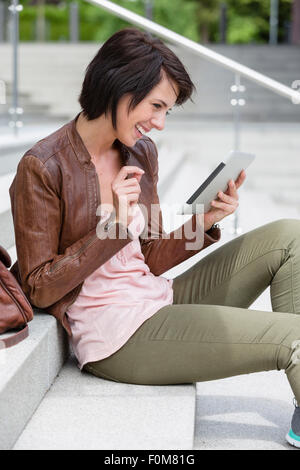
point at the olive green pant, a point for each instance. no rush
(209, 332)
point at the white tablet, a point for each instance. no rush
(217, 181)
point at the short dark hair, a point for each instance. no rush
(130, 61)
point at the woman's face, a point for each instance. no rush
(149, 114)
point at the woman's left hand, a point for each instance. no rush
(226, 204)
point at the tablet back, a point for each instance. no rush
(217, 181)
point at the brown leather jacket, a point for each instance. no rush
(54, 200)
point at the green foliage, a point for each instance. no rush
(98, 25)
(248, 20)
(177, 15)
(244, 30)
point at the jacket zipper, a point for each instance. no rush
(65, 260)
(14, 300)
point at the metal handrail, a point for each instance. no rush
(205, 52)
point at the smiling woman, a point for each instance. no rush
(140, 77)
(103, 279)
(131, 62)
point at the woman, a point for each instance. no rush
(102, 278)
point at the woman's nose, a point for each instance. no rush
(159, 122)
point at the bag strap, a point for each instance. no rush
(15, 339)
(4, 257)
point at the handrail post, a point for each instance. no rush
(236, 103)
(149, 9)
(273, 35)
(15, 110)
(2, 21)
(74, 21)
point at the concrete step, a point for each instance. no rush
(5, 182)
(288, 197)
(79, 401)
(276, 182)
(27, 135)
(7, 238)
(26, 374)
(164, 416)
(36, 118)
(83, 412)
(28, 107)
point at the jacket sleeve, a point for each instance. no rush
(163, 251)
(45, 275)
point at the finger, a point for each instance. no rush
(231, 189)
(133, 176)
(132, 198)
(126, 200)
(129, 182)
(240, 179)
(227, 199)
(126, 170)
(139, 177)
(122, 189)
(228, 208)
(124, 192)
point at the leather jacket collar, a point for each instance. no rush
(81, 151)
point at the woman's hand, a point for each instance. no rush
(226, 204)
(126, 193)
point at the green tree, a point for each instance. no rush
(177, 15)
(248, 20)
(96, 24)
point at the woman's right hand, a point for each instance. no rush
(126, 193)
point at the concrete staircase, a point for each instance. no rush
(33, 110)
(47, 394)
(46, 402)
(27, 372)
(82, 412)
(213, 83)
(52, 74)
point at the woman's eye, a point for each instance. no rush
(158, 106)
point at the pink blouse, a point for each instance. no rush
(116, 299)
